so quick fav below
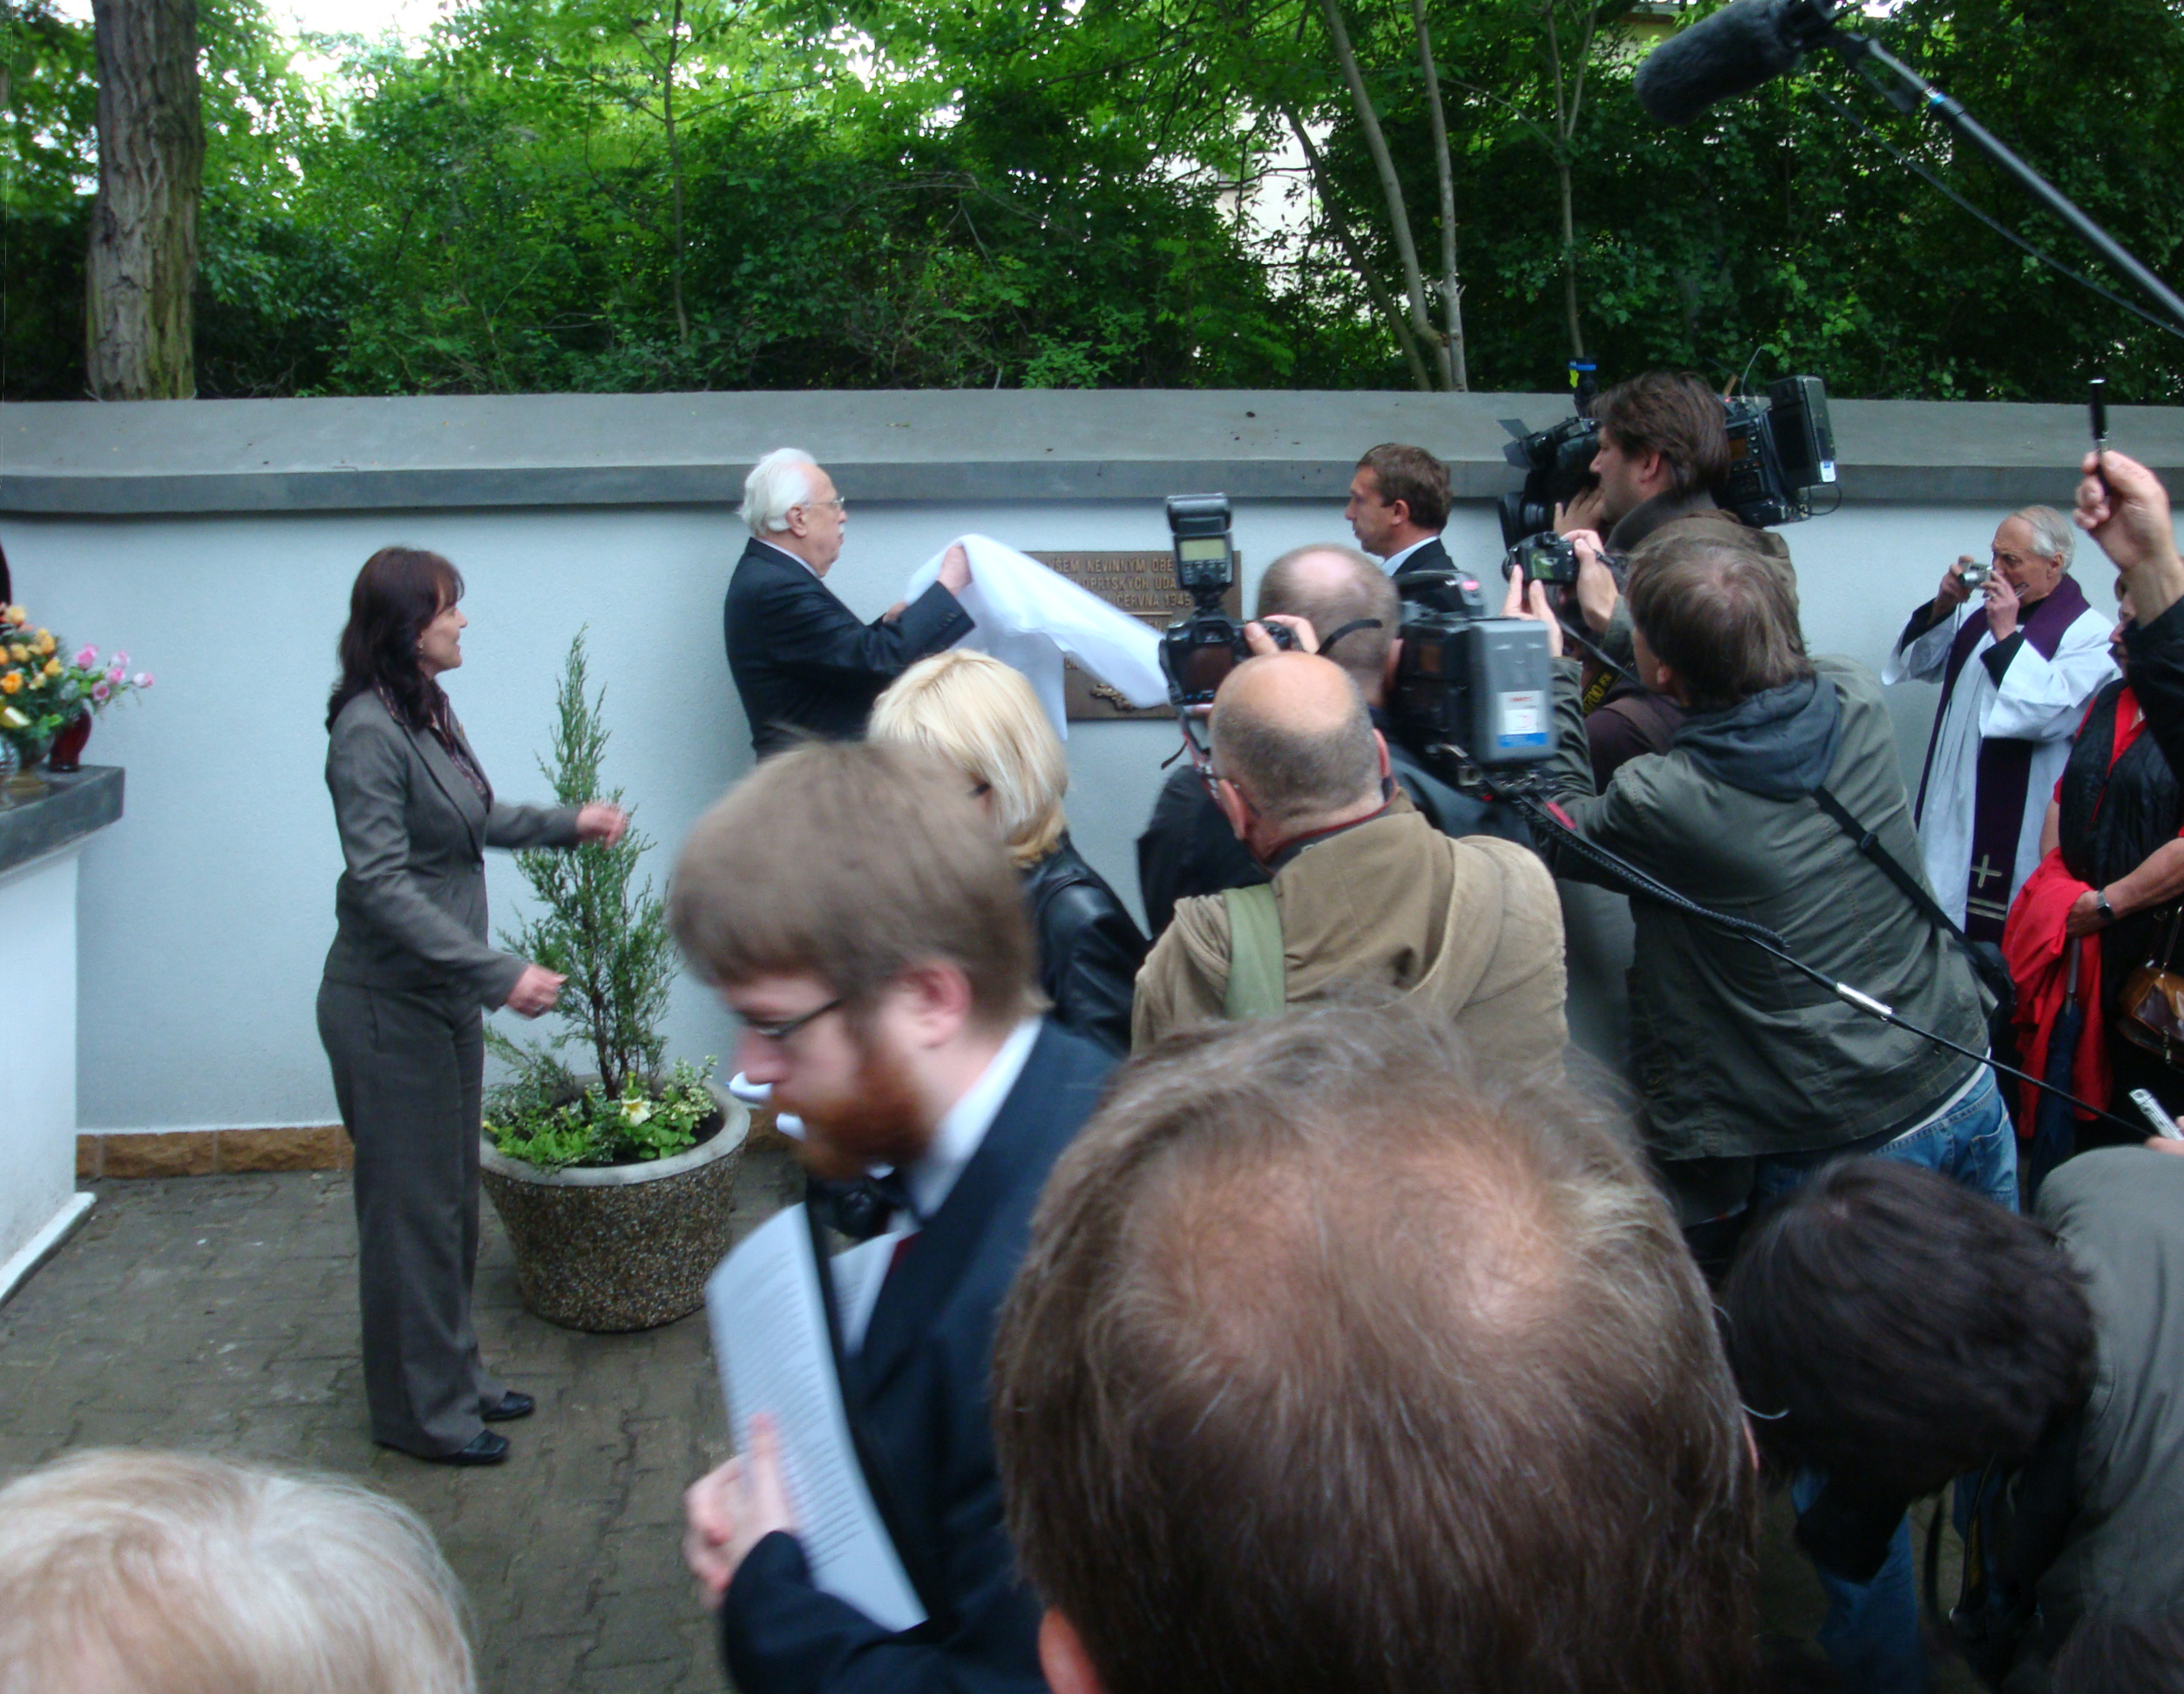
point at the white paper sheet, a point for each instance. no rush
(769, 1336)
(1028, 617)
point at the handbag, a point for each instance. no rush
(2150, 1011)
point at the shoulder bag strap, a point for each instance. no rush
(1256, 987)
(1988, 969)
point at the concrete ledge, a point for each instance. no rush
(939, 446)
(43, 1245)
(72, 807)
(129, 1156)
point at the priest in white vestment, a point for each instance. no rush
(2017, 664)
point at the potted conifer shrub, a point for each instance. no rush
(612, 1173)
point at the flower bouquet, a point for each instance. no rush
(44, 695)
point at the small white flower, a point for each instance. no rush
(636, 1111)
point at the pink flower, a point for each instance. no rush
(121, 661)
(87, 658)
(142, 680)
(115, 674)
(102, 692)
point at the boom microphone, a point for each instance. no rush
(1746, 43)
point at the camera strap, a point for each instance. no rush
(1256, 987)
(1987, 966)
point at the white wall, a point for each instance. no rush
(38, 1112)
(206, 912)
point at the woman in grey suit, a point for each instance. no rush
(399, 1010)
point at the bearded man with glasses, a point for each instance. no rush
(852, 906)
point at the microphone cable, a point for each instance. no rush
(1917, 168)
(1547, 815)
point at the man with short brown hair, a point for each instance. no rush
(1399, 504)
(852, 905)
(1345, 1359)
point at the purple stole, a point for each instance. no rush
(2006, 765)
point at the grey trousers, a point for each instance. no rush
(407, 1075)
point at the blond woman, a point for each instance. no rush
(983, 717)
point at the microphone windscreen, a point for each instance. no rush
(1745, 43)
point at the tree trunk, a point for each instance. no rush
(142, 267)
(1566, 109)
(1451, 288)
(1391, 185)
(675, 170)
(1376, 291)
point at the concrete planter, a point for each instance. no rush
(620, 1247)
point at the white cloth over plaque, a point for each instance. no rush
(1029, 618)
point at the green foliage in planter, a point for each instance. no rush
(528, 1120)
(608, 934)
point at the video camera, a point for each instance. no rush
(1197, 653)
(1473, 696)
(1779, 452)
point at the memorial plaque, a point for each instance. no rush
(1142, 584)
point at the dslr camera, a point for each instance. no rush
(1547, 558)
(1197, 652)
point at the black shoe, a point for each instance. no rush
(484, 1448)
(512, 1405)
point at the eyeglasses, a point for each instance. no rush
(839, 504)
(778, 1033)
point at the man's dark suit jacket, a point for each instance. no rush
(1430, 559)
(917, 1396)
(801, 660)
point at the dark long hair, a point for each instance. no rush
(399, 592)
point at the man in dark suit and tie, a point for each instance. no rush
(801, 660)
(1399, 504)
(852, 905)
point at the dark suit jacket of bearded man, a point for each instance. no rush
(916, 1396)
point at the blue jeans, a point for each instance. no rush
(1871, 1631)
(1974, 1143)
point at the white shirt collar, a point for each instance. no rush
(1394, 562)
(784, 553)
(963, 1129)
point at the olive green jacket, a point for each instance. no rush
(1734, 1052)
(1468, 927)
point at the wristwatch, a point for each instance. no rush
(2100, 905)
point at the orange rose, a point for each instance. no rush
(44, 642)
(12, 683)
(52, 667)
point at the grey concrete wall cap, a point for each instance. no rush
(937, 446)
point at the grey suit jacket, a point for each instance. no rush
(410, 906)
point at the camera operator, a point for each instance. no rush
(1663, 453)
(1750, 1073)
(1366, 894)
(1319, 591)
(1890, 1332)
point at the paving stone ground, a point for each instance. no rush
(218, 1314)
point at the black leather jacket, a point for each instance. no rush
(1089, 949)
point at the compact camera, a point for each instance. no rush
(1975, 572)
(1548, 557)
(1197, 652)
